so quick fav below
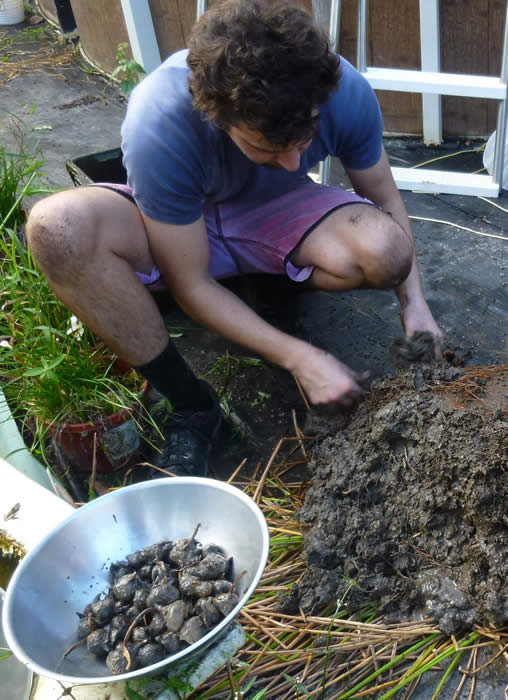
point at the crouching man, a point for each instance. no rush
(217, 144)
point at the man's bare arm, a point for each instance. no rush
(378, 185)
(181, 253)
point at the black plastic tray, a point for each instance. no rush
(105, 166)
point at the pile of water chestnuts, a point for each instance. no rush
(162, 599)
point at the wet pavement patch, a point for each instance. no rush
(80, 102)
(408, 501)
(11, 552)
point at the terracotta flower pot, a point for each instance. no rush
(118, 443)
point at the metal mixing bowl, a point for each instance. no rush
(16, 679)
(70, 566)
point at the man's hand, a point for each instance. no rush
(181, 253)
(326, 380)
(377, 184)
(418, 317)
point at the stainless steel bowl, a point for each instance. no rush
(16, 679)
(70, 566)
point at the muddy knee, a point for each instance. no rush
(388, 256)
(60, 236)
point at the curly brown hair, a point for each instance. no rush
(263, 64)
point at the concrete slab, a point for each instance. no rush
(77, 111)
(66, 106)
(465, 276)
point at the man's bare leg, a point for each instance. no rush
(356, 246)
(88, 242)
(88, 247)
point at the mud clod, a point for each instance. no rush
(136, 624)
(409, 501)
(418, 348)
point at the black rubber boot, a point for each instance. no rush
(188, 441)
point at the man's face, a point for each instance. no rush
(257, 149)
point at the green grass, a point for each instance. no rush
(51, 372)
(51, 367)
(226, 368)
(35, 33)
(21, 173)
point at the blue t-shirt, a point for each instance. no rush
(176, 161)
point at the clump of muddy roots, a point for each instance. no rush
(162, 599)
(409, 501)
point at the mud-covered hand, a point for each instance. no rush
(326, 380)
(418, 317)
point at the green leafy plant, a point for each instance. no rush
(53, 370)
(227, 367)
(131, 71)
(21, 167)
(131, 693)
(178, 682)
(35, 33)
(5, 653)
(298, 687)
(261, 397)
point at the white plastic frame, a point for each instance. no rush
(435, 83)
(138, 20)
(432, 84)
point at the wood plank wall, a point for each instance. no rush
(471, 42)
(173, 20)
(48, 10)
(393, 40)
(101, 28)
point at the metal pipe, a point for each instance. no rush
(139, 23)
(499, 152)
(324, 171)
(334, 32)
(430, 61)
(201, 7)
(335, 13)
(361, 50)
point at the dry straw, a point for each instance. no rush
(25, 54)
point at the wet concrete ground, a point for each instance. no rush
(77, 112)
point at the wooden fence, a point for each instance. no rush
(471, 42)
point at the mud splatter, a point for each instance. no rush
(418, 348)
(409, 500)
